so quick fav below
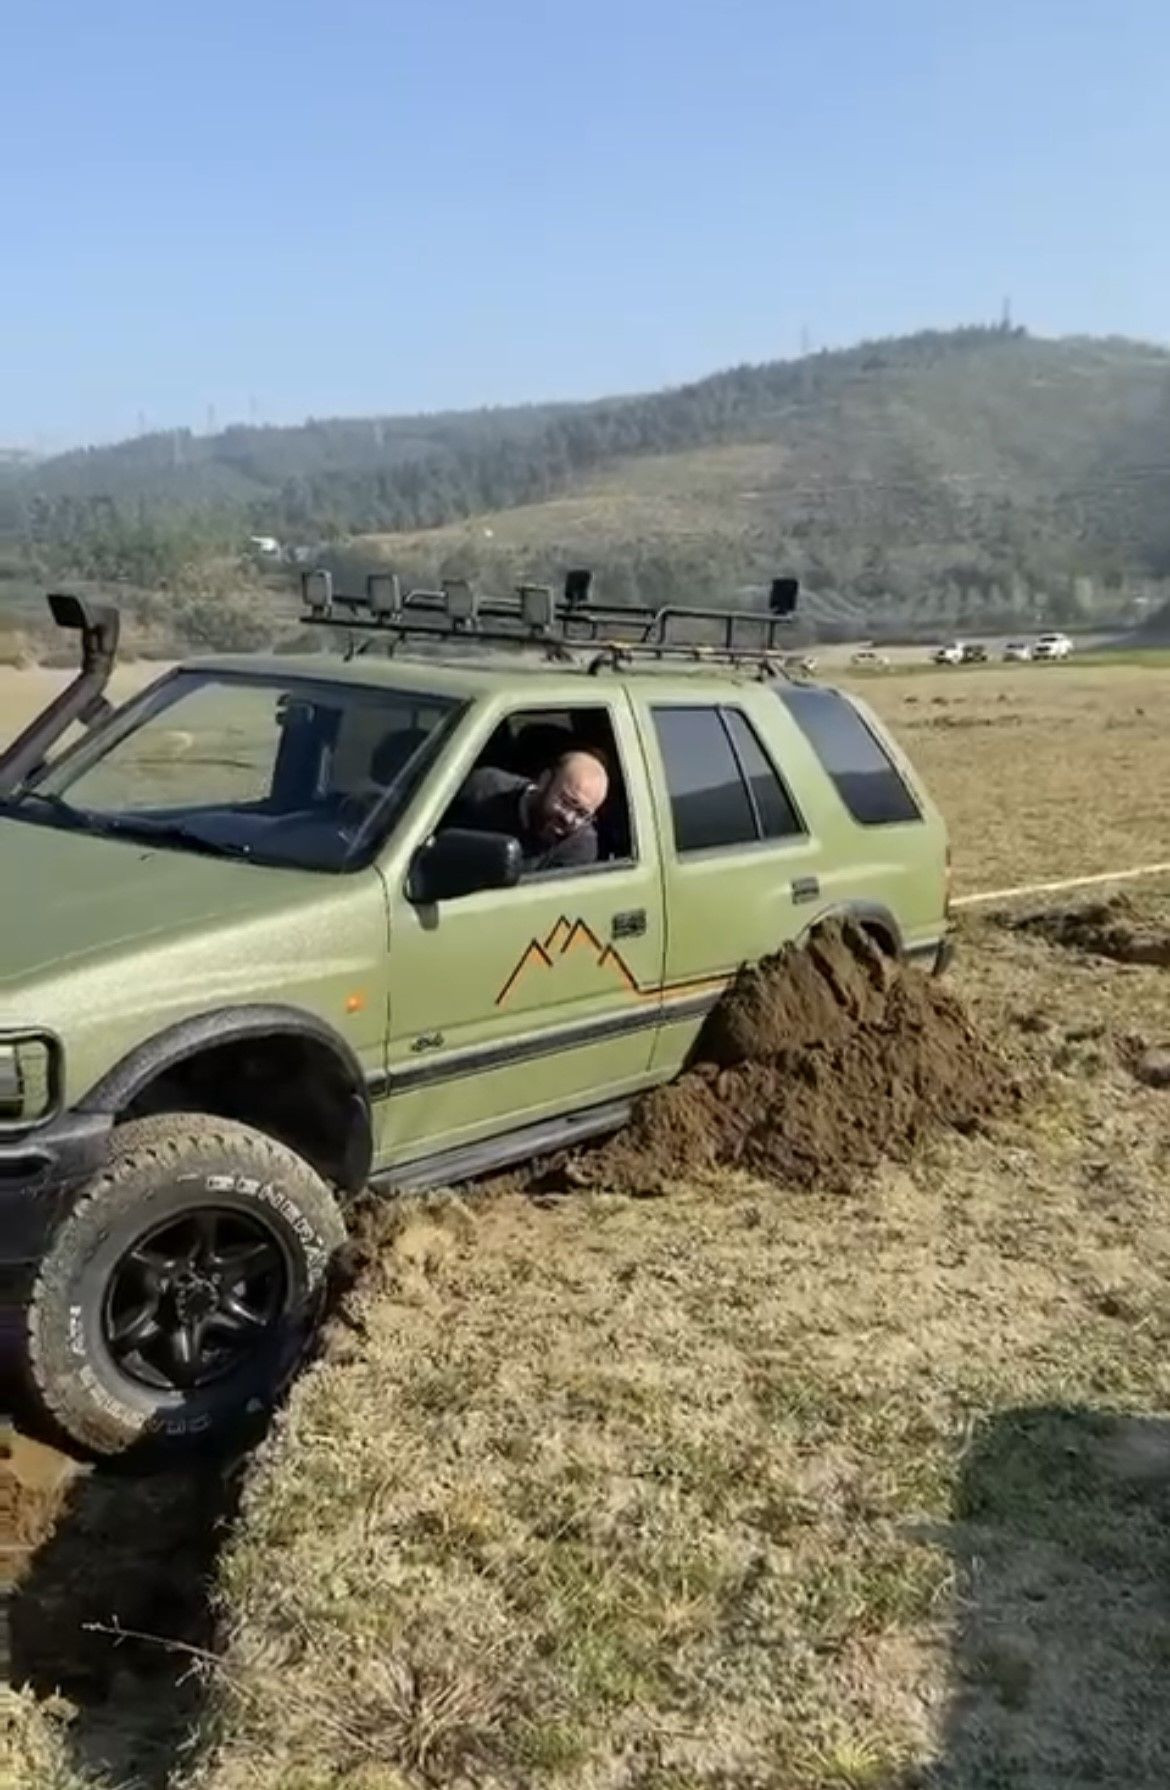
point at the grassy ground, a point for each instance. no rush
(737, 1488)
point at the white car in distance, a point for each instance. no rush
(1052, 646)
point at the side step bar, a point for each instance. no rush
(472, 1160)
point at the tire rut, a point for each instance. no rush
(105, 1593)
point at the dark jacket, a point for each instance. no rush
(491, 801)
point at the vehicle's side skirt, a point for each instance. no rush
(471, 1160)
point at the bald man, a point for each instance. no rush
(552, 818)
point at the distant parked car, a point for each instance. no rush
(1017, 652)
(974, 653)
(800, 663)
(867, 658)
(1052, 646)
(951, 654)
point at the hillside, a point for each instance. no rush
(970, 474)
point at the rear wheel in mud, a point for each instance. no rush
(177, 1298)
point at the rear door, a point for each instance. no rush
(510, 1006)
(741, 859)
(886, 843)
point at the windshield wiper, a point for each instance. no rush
(118, 826)
(61, 811)
(171, 832)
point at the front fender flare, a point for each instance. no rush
(178, 1044)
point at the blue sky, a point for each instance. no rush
(359, 206)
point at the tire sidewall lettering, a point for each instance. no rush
(132, 1197)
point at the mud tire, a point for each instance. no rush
(159, 1168)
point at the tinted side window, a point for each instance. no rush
(866, 779)
(778, 817)
(708, 802)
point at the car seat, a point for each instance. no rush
(393, 751)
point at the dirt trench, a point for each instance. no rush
(106, 1583)
(1119, 928)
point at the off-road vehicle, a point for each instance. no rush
(248, 969)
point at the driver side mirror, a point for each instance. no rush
(461, 861)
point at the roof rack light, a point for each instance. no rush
(317, 592)
(538, 609)
(460, 600)
(578, 584)
(384, 594)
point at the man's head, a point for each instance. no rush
(568, 795)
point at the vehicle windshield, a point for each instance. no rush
(287, 771)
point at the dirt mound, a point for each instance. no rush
(816, 1064)
(1115, 928)
(34, 1482)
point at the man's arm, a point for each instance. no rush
(574, 851)
(483, 793)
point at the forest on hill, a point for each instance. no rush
(966, 475)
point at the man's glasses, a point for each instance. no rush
(570, 809)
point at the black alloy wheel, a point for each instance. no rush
(195, 1298)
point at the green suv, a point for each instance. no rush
(249, 967)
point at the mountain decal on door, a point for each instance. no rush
(567, 939)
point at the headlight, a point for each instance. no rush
(11, 1086)
(27, 1080)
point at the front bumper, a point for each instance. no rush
(39, 1172)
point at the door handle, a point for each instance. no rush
(805, 888)
(630, 925)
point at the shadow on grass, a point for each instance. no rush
(112, 1612)
(1062, 1651)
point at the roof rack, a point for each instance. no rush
(559, 628)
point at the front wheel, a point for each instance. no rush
(177, 1298)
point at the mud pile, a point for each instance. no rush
(816, 1064)
(1116, 928)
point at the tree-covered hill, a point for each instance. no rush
(946, 473)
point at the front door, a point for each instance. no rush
(510, 1006)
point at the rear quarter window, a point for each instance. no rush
(862, 771)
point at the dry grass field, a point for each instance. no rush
(1043, 772)
(729, 1487)
(24, 693)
